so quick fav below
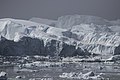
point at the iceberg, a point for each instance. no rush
(72, 35)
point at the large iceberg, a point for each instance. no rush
(71, 35)
(20, 37)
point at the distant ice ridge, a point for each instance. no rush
(71, 20)
(71, 35)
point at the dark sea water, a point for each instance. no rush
(110, 70)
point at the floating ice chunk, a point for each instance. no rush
(3, 74)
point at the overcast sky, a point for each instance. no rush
(51, 9)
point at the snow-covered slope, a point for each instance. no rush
(73, 35)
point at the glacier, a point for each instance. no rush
(71, 35)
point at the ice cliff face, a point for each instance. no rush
(20, 37)
(72, 35)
